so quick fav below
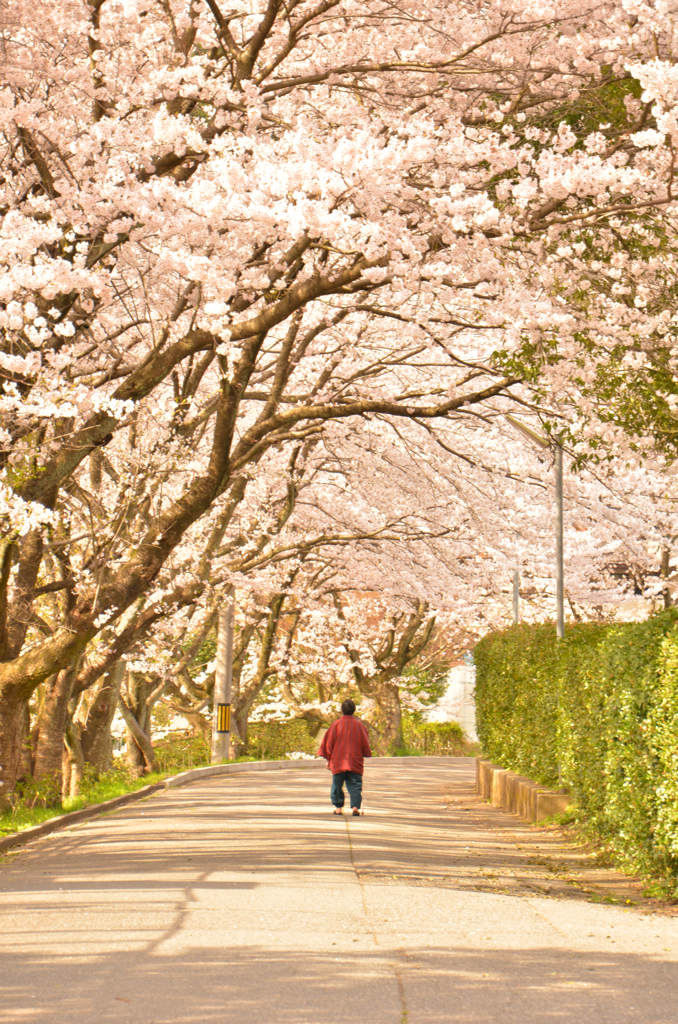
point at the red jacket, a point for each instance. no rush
(345, 744)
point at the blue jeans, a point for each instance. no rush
(354, 785)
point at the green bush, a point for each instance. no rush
(596, 712)
(179, 753)
(442, 738)
(274, 740)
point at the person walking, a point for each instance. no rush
(344, 746)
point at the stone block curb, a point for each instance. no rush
(73, 817)
(518, 794)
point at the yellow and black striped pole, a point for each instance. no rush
(221, 717)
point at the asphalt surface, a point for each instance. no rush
(242, 900)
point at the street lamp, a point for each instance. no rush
(541, 441)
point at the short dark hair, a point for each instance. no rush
(347, 707)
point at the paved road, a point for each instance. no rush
(241, 900)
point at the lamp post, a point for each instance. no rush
(541, 441)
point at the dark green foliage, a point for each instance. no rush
(266, 741)
(601, 104)
(597, 712)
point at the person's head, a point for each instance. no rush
(348, 707)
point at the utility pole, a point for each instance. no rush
(560, 576)
(516, 598)
(221, 716)
(543, 442)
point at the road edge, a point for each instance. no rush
(182, 779)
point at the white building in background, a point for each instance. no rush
(458, 702)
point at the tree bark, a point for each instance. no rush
(95, 716)
(387, 720)
(244, 699)
(52, 724)
(241, 722)
(12, 743)
(73, 767)
(137, 715)
(665, 572)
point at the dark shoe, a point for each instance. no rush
(356, 812)
(338, 810)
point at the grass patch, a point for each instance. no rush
(36, 802)
(27, 810)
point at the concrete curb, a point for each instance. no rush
(64, 820)
(193, 775)
(517, 793)
(73, 817)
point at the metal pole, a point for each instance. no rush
(560, 578)
(221, 716)
(516, 598)
(544, 442)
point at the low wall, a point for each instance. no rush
(517, 793)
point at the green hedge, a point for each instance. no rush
(275, 740)
(598, 713)
(438, 738)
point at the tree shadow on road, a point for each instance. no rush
(258, 985)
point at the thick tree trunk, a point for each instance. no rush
(388, 718)
(73, 767)
(243, 700)
(238, 744)
(137, 715)
(240, 720)
(51, 727)
(12, 744)
(95, 716)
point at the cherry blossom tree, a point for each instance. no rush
(224, 232)
(397, 519)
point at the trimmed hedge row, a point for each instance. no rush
(597, 713)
